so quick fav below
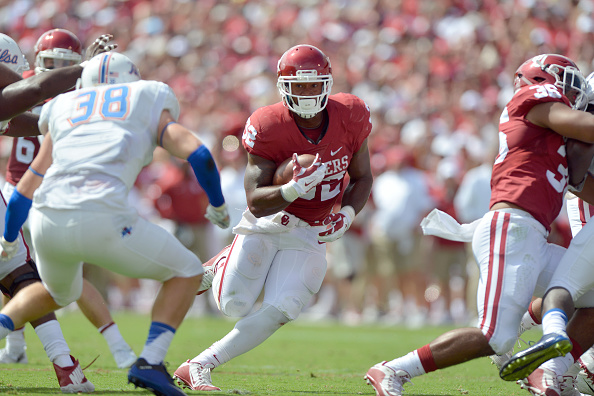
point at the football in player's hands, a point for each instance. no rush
(284, 172)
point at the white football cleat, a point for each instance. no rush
(210, 269)
(194, 376)
(541, 382)
(7, 358)
(72, 379)
(124, 356)
(386, 381)
(500, 360)
(567, 385)
(585, 382)
(585, 378)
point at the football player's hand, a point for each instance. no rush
(218, 216)
(337, 224)
(9, 249)
(100, 46)
(304, 179)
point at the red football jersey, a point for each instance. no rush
(271, 133)
(24, 150)
(531, 168)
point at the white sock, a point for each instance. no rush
(411, 363)
(527, 323)
(157, 344)
(249, 332)
(112, 335)
(554, 321)
(56, 348)
(15, 342)
(559, 365)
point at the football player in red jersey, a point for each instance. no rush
(279, 245)
(529, 180)
(17, 96)
(55, 49)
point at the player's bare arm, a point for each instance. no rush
(23, 125)
(32, 179)
(175, 138)
(564, 120)
(262, 197)
(8, 76)
(22, 95)
(587, 193)
(579, 158)
(361, 180)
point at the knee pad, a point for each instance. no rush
(235, 307)
(19, 278)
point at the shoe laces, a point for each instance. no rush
(397, 380)
(586, 371)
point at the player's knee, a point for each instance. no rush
(235, 308)
(290, 306)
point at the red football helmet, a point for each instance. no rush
(304, 64)
(557, 70)
(57, 48)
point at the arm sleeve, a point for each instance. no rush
(207, 174)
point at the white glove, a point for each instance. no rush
(218, 216)
(304, 179)
(9, 249)
(337, 224)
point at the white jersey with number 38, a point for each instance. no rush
(102, 138)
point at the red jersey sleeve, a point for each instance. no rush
(530, 170)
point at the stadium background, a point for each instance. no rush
(435, 74)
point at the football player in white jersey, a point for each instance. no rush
(55, 49)
(17, 97)
(97, 140)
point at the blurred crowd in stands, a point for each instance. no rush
(436, 75)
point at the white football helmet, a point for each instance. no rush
(11, 54)
(109, 68)
(590, 88)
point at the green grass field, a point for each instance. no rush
(300, 359)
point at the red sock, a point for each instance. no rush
(531, 312)
(576, 351)
(426, 357)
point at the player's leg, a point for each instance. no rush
(15, 350)
(140, 249)
(572, 279)
(93, 306)
(48, 330)
(502, 299)
(294, 277)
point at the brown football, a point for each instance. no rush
(284, 172)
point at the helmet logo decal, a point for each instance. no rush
(6, 57)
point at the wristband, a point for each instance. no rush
(207, 174)
(36, 173)
(349, 212)
(289, 192)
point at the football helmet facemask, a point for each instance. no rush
(57, 48)
(304, 64)
(108, 68)
(11, 54)
(557, 70)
